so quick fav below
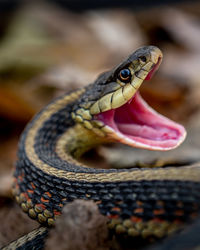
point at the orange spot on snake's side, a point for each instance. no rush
(26, 196)
(47, 193)
(43, 200)
(56, 212)
(113, 216)
(33, 186)
(20, 178)
(117, 209)
(139, 210)
(135, 219)
(158, 211)
(30, 191)
(41, 205)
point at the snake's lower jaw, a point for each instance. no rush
(138, 125)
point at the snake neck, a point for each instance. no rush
(78, 140)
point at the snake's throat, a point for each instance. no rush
(138, 125)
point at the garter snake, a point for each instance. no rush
(139, 202)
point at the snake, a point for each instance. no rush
(140, 203)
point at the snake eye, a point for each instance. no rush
(143, 59)
(125, 75)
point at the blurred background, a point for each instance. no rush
(50, 47)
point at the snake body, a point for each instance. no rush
(139, 202)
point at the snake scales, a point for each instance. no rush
(139, 202)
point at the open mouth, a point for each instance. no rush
(135, 123)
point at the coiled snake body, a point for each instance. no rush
(140, 202)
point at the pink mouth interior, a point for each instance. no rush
(137, 124)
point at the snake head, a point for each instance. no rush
(112, 106)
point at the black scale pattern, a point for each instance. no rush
(124, 195)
